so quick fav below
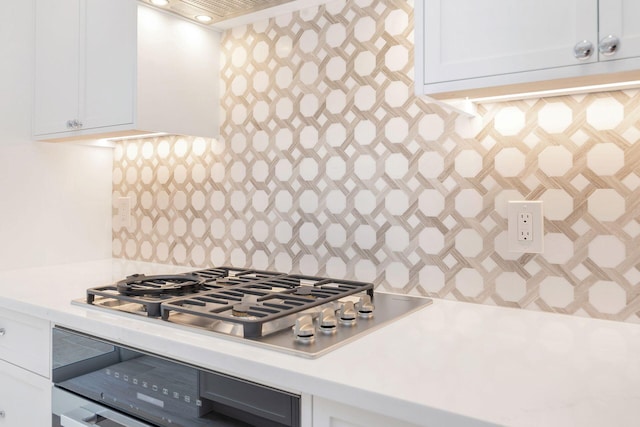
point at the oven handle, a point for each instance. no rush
(84, 417)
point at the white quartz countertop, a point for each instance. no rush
(449, 364)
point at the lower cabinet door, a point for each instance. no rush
(25, 398)
(328, 413)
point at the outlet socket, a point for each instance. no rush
(526, 226)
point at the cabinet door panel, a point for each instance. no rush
(620, 18)
(24, 341)
(25, 398)
(470, 38)
(57, 60)
(327, 413)
(108, 74)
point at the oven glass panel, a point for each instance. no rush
(71, 348)
(161, 391)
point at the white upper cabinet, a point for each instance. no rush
(116, 67)
(492, 47)
(619, 19)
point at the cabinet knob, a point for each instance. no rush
(74, 124)
(609, 45)
(2, 332)
(1, 414)
(583, 50)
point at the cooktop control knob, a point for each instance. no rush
(365, 307)
(303, 330)
(347, 314)
(328, 321)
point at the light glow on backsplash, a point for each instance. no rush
(329, 165)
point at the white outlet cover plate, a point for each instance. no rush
(536, 244)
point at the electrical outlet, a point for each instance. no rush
(526, 226)
(124, 211)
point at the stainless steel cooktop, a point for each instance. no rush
(303, 315)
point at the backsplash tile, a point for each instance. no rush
(329, 164)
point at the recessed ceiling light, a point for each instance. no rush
(204, 18)
(159, 2)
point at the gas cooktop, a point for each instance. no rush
(303, 315)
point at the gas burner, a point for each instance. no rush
(243, 308)
(142, 285)
(304, 291)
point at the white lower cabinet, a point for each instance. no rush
(328, 413)
(25, 398)
(25, 387)
(25, 341)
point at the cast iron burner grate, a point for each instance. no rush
(147, 293)
(141, 285)
(246, 297)
(254, 304)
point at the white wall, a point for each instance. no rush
(55, 199)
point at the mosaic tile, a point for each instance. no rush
(328, 164)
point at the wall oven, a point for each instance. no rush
(101, 383)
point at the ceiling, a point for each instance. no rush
(217, 10)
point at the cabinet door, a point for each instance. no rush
(56, 67)
(25, 398)
(619, 18)
(327, 413)
(25, 341)
(469, 38)
(108, 72)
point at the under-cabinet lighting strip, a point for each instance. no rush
(558, 92)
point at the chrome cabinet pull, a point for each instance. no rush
(609, 45)
(74, 124)
(583, 50)
(1, 414)
(3, 331)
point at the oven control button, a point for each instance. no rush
(365, 307)
(347, 314)
(303, 330)
(327, 321)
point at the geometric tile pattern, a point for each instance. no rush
(329, 164)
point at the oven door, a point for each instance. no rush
(97, 382)
(70, 410)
